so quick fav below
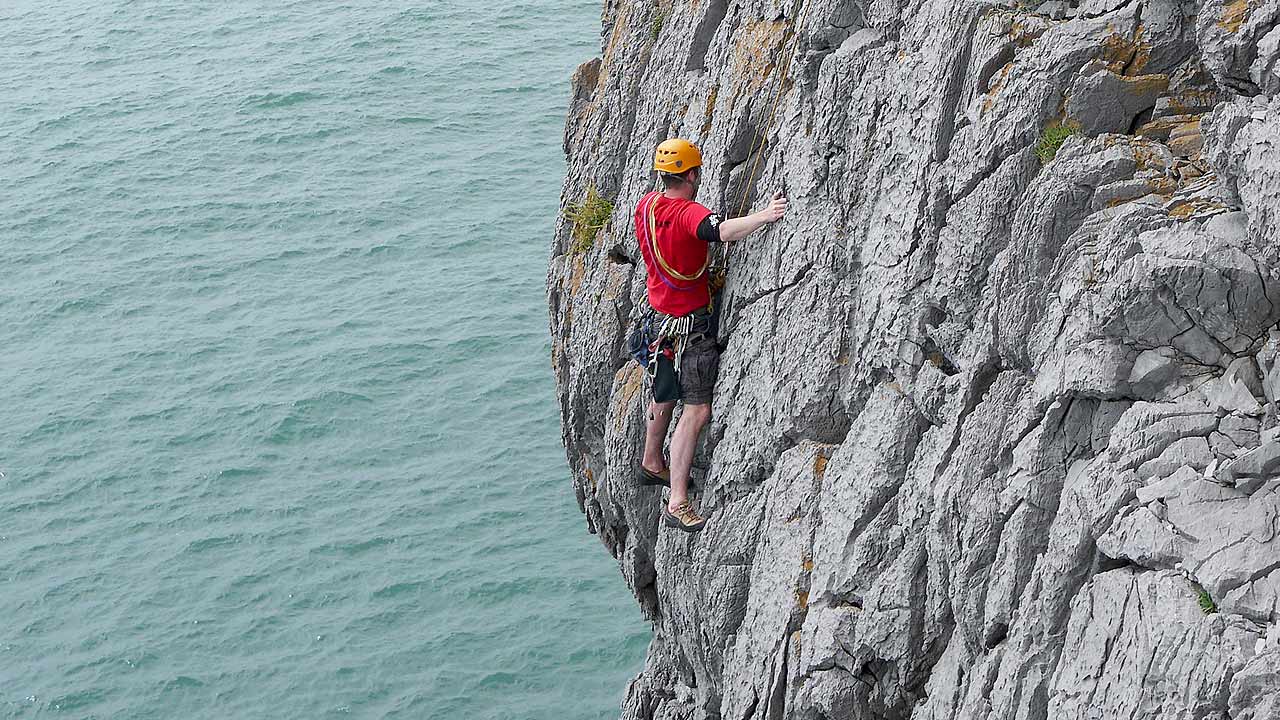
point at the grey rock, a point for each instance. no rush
(1229, 33)
(1261, 462)
(1265, 71)
(1138, 645)
(984, 423)
(1106, 102)
(1255, 688)
(1224, 537)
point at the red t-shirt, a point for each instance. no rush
(677, 224)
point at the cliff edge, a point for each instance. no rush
(995, 434)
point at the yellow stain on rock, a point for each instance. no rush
(1234, 15)
(820, 465)
(710, 110)
(630, 387)
(753, 52)
(1022, 34)
(996, 84)
(576, 274)
(1186, 210)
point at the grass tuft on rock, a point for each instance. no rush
(659, 19)
(1206, 602)
(588, 218)
(1052, 139)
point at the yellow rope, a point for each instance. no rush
(777, 98)
(657, 254)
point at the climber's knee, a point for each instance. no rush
(698, 414)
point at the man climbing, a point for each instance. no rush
(673, 232)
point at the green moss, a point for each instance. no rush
(588, 218)
(1206, 602)
(1053, 137)
(659, 19)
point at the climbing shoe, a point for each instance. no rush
(651, 478)
(684, 518)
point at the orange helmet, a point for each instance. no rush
(676, 156)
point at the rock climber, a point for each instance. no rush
(674, 233)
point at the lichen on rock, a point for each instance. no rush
(986, 426)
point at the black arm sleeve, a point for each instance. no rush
(709, 229)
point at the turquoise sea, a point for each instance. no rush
(277, 424)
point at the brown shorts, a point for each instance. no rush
(700, 365)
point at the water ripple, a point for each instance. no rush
(278, 436)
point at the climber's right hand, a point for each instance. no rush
(776, 210)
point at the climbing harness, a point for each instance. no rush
(662, 353)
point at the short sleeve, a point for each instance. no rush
(692, 216)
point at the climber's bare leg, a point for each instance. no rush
(692, 420)
(655, 435)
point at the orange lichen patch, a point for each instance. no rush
(753, 53)
(621, 23)
(1023, 34)
(1234, 15)
(802, 599)
(1187, 209)
(591, 479)
(709, 111)
(1186, 140)
(1147, 84)
(820, 465)
(633, 383)
(1126, 55)
(1161, 129)
(578, 272)
(1117, 52)
(1146, 158)
(1149, 187)
(807, 565)
(1141, 52)
(631, 386)
(997, 82)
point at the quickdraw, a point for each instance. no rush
(677, 331)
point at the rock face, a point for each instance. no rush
(995, 435)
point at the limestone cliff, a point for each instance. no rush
(996, 428)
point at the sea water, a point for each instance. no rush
(277, 425)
